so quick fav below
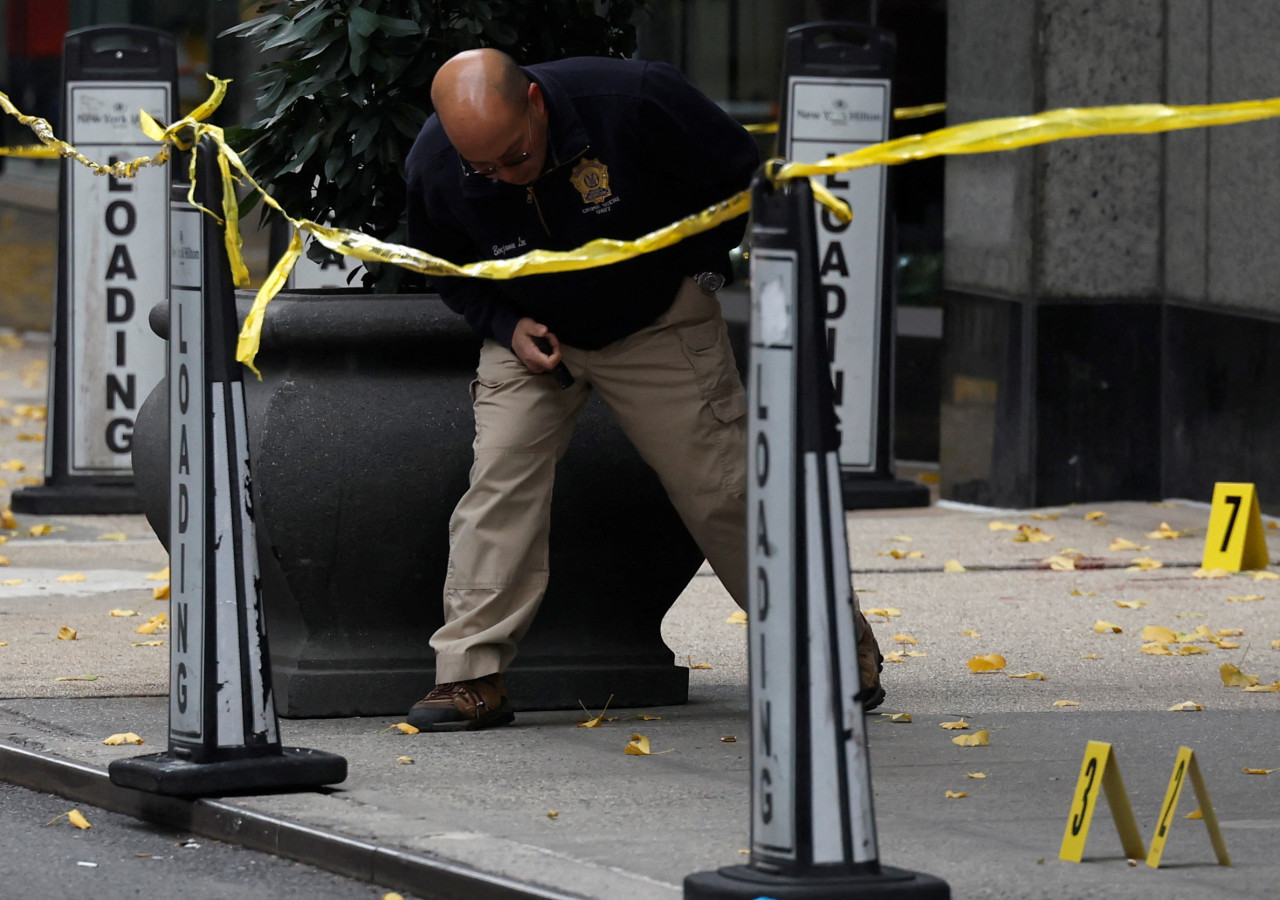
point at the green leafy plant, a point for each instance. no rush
(347, 87)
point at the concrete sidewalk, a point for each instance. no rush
(471, 816)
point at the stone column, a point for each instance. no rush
(1110, 300)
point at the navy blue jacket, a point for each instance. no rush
(668, 151)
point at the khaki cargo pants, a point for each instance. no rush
(674, 390)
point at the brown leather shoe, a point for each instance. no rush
(870, 662)
(463, 706)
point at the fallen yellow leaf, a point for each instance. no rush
(977, 739)
(1262, 575)
(898, 554)
(976, 774)
(162, 575)
(1165, 533)
(969, 632)
(644, 717)
(1122, 544)
(1001, 526)
(916, 654)
(7, 520)
(693, 665)
(1190, 651)
(75, 817)
(894, 656)
(1155, 648)
(905, 639)
(114, 536)
(953, 565)
(1247, 598)
(638, 746)
(1079, 593)
(160, 593)
(402, 727)
(1066, 703)
(1060, 563)
(1030, 676)
(1090, 656)
(598, 720)
(1186, 706)
(956, 795)
(1233, 677)
(1210, 573)
(1043, 516)
(1231, 632)
(1029, 534)
(1102, 627)
(886, 613)
(1196, 813)
(146, 643)
(959, 725)
(1249, 771)
(1159, 633)
(11, 581)
(991, 662)
(1272, 688)
(1132, 604)
(404, 760)
(1094, 516)
(905, 718)
(77, 678)
(903, 538)
(1144, 564)
(738, 618)
(1275, 645)
(124, 737)
(553, 813)
(13, 465)
(74, 576)
(123, 613)
(66, 634)
(39, 530)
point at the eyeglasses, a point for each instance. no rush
(518, 159)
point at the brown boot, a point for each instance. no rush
(463, 706)
(870, 662)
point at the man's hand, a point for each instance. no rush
(524, 347)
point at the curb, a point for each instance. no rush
(218, 820)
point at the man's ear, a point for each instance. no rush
(536, 99)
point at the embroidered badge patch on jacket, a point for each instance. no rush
(591, 178)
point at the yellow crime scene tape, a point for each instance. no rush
(985, 136)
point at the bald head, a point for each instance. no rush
(476, 81)
(488, 109)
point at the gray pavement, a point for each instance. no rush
(471, 816)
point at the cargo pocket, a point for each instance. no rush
(706, 346)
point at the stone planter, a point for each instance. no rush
(360, 441)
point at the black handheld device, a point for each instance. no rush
(560, 373)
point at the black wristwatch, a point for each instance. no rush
(709, 281)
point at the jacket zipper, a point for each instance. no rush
(532, 198)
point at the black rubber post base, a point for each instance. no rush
(77, 500)
(295, 769)
(889, 493)
(746, 883)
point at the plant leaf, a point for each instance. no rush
(638, 746)
(991, 662)
(977, 739)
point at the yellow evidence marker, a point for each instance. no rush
(1184, 765)
(1100, 765)
(1235, 540)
